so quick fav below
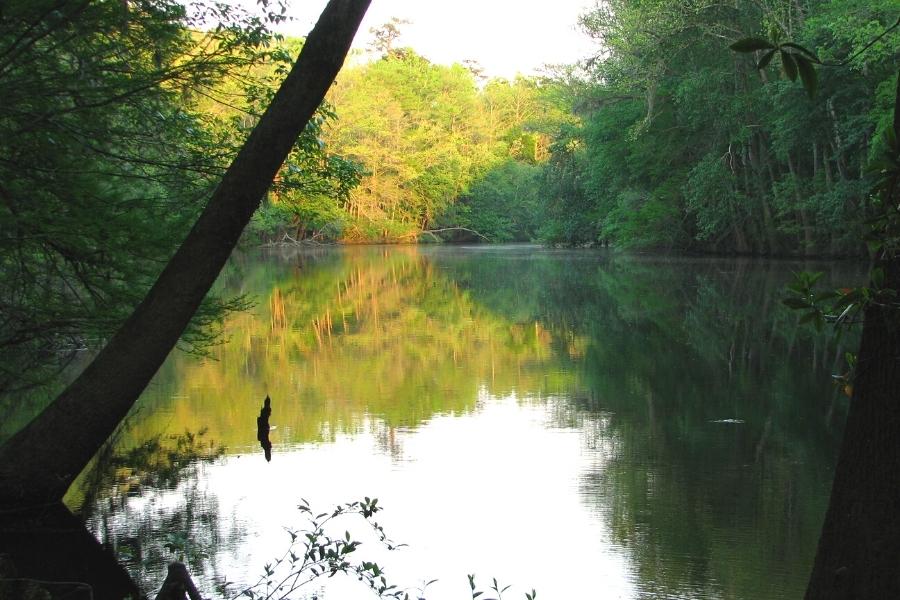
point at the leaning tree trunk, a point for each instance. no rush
(859, 549)
(40, 462)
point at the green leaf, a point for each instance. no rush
(875, 245)
(796, 303)
(890, 138)
(809, 53)
(880, 164)
(807, 75)
(819, 322)
(852, 295)
(789, 65)
(751, 44)
(823, 296)
(765, 60)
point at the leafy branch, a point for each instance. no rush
(799, 60)
(315, 553)
(845, 306)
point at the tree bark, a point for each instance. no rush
(805, 225)
(860, 541)
(39, 463)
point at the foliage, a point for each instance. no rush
(315, 552)
(426, 139)
(689, 147)
(846, 306)
(504, 203)
(112, 133)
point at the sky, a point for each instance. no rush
(505, 36)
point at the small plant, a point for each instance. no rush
(496, 588)
(314, 552)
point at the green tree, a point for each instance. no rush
(861, 525)
(110, 137)
(687, 147)
(407, 122)
(503, 205)
(88, 411)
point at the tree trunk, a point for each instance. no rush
(40, 462)
(826, 164)
(815, 161)
(755, 149)
(860, 541)
(806, 227)
(178, 584)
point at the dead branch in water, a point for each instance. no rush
(433, 233)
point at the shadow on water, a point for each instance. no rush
(48, 552)
(179, 520)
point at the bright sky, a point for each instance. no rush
(505, 36)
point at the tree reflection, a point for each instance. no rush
(665, 353)
(148, 504)
(706, 406)
(365, 337)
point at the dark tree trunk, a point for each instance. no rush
(51, 545)
(859, 547)
(805, 225)
(39, 463)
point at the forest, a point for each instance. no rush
(139, 144)
(664, 140)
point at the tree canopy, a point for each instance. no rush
(685, 146)
(115, 125)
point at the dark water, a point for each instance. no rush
(588, 425)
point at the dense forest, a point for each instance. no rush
(434, 148)
(663, 140)
(137, 141)
(682, 145)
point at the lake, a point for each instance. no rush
(581, 423)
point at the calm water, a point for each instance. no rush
(588, 425)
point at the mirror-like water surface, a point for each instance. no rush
(588, 425)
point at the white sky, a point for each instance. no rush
(505, 36)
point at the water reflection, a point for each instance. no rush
(262, 428)
(149, 503)
(581, 424)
